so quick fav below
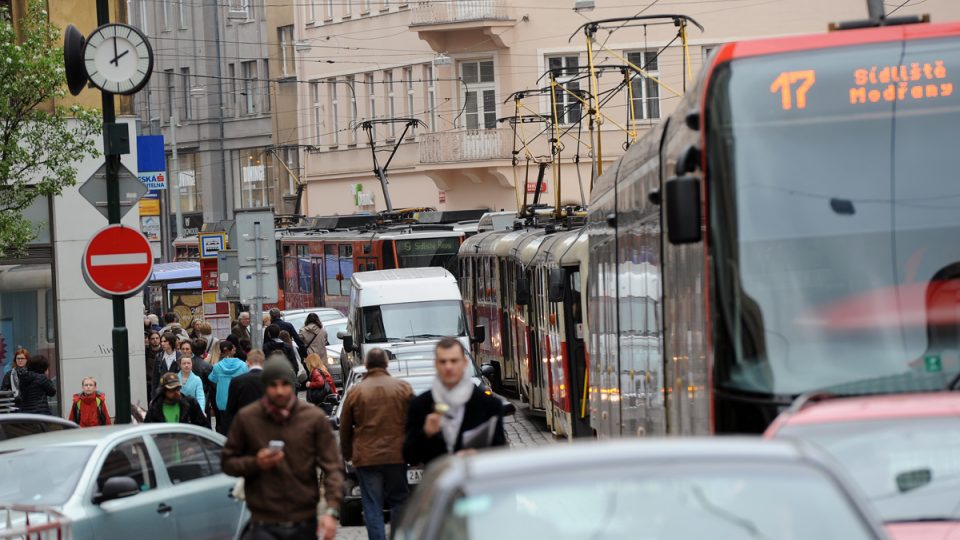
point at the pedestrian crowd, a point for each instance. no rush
(282, 448)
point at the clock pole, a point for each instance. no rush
(116, 142)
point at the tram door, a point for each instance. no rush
(507, 371)
(317, 264)
(577, 352)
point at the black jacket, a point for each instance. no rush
(273, 345)
(244, 390)
(190, 412)
(34, 390)
(159, 368)
(284, 325)
(418, 448)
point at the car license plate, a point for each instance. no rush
(414, 476)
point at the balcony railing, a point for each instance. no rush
(467, 145)
(428, 12)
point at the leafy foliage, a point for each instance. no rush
(40, 142)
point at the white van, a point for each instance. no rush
(392, 309)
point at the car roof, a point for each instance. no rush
(22, 418)
(543, 459)
(99, 436)
(880, 407)
(401, 274)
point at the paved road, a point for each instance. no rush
(522, 430)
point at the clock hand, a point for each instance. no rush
(115, 53)
(121, 55)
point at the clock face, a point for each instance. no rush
(118, 59)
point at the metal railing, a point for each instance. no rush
(22, 521)
(466, 145)
(426, 12)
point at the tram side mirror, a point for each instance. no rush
(913, 479)
(523, 291)
(479, 334)
(555, 290)
(347, 340)
(683, 210)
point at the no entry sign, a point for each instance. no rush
(118, 261)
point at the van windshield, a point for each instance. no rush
(413, 320)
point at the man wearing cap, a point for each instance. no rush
(277, 444)
(173, 407)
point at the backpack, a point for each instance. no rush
(317, 395)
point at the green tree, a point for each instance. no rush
(40, 142)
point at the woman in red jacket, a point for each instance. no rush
(89, 407)
(320, 385)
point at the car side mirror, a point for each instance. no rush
(683, 210)
(523, 291)
(488, 371)
(332, 399)
(117, 487)
(346, 340)
(913, 479)
(555, 290)
(479, 334)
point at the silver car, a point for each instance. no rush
(147, 481)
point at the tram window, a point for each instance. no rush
(304, 270)
(290, 280)
(331, 268)
(576, 310)
(346, 267)
(387, 255)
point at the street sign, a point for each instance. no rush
(94, 190)
(212, 243)
(248, 286)
(246, 247)
(117, 261)
(229, 283)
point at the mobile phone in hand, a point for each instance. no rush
(276, 446)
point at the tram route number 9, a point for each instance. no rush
(793, 87)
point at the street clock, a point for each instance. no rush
(116, 58)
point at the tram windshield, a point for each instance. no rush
(425, 252)
(835, 218)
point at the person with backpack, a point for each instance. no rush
(320, 385)
(35, 386)
(89, 406)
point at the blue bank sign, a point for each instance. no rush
(154, 180)
(151, 162)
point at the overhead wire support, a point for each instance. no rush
(381, 172)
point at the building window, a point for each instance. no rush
(239, 10)
(352, 89)
(385, 6)
(479, 96)
(266, 85)
(250, 86)
(646, 92)
(230, 107)
(347, 8)
(286, 50)
(182, 14)
(564, 68)
(166, 11)
(171, 92)
(410, 106)
(371, 96)
(334, 112)
(256, 178)
(430, 116)
(329, 14)
(391, 102)
(311, 11)
(187, 105)
(365, 7)
(143, 15)
(188, 181)
(317, 112)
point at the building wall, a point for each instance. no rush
(401, 35)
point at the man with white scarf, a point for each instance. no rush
(453, 411)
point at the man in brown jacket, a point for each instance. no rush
(372, 427)
(276, 444)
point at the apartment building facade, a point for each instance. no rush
(455, 65)
(211, 92)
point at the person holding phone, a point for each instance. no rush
(277, 444)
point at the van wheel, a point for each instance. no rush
(351, 515)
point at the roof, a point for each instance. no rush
(403, 285)
(879, 407)
(172, 271)
(377, 277)
(552, 458)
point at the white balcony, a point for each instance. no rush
(465, 146)
(433, 12)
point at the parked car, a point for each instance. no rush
(13, 425)
(297, 317)
(145, 481)
(651, 489)
(901, 449)
(419, 374)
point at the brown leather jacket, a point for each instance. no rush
(373, 420)
(289, 491)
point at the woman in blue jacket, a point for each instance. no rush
(192, 384)
(224, 371)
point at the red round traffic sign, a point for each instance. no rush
(118, 261)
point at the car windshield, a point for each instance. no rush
(41, 476)
(909, 469)
(413, 320)
(835, 214)
(333, 330)
(735, 502)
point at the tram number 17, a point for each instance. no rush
(787, 85)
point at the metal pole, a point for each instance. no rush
(256, 334)
(175, 176)
(112, 151)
